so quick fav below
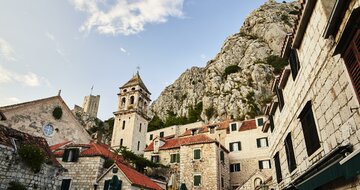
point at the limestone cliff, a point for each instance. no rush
(236, 83)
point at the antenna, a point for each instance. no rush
(92, 88)
(137, 69)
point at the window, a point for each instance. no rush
(197, 180)
(107, 184)
(155, 158)
(197, 154)
(260, 122)
(352, 62)
(222, 156)
(309, 129)
(138, 145)
(235, 146)
(212, 129)
(71, 155)
(175, 158)
(140, 128)
(121, 142)
(278, 167)
(290, 157)
(123, 125)
(222, 181)
(132, 99)
(262, 142)
(123, 100)
(235, 167)
(162, 134)
(65, 184)
(271, 123)
(264, 164)
(280, 97)
(294, 63)
(233, 127)
(151, 136)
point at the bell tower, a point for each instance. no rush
(131, 120)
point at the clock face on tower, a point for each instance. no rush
(48, 130)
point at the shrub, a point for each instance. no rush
(16, 186)
(32, 156)
(232, 69)
(155, 123)
(57, 112)
(108, 162)
(209, 112)
(277, 62)
(294, 12)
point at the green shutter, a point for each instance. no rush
(65, 155)
(197, 154)
(76, 155)
(231, 147)
(197, 180)
(178, 157)
(239, 145)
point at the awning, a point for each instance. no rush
(345, 168)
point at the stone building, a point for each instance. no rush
(91, 105)
(87, 167)
(197, 162)
(13, 167)
(49, 118)
(131, 120)
(314, 125)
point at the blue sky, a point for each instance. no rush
(74, 44)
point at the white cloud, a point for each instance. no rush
(126, 16)
(6, 51)
(28, 79)
(123, 50)
(50, 36)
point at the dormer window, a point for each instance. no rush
(155, 158)
(212, 129)
(259, 122)
(233, 126)
(71, 155)
(194, 131)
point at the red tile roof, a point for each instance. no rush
(176, 143)
(7, 133)
(248, 125)
(137, 178)
(99, 149)
(204, 129)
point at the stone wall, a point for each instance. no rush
(324, 80)
(12, 169)
(84, 172)
(209, 167)
(32, 116)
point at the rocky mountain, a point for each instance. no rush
(236, 83)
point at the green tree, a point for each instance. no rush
(155, 123)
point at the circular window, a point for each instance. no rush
(48, 130)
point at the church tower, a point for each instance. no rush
(131, 120)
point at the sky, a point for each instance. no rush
(73, 45)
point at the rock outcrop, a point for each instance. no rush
(236, 83)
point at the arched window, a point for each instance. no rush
(133, 88)
(257, 182)
(123, 100)
(124, 90)
(140, 128)
(132, 98)
(140, 102)
(123, 126)
(145, 105)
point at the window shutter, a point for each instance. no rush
(65, 155)
(222, 156)
(271, 123)
(239, 145)
(277, 168)
(107, 185)
(290, 153)
(197, 154)
(258, 143)
(231, 168)
(280, 97)
(178, 157)
(308, 125)
(76, 154)
(260, 165)
(267, 142)
(197, 180)
(352, 62)
(294, 63)
(231, 147)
